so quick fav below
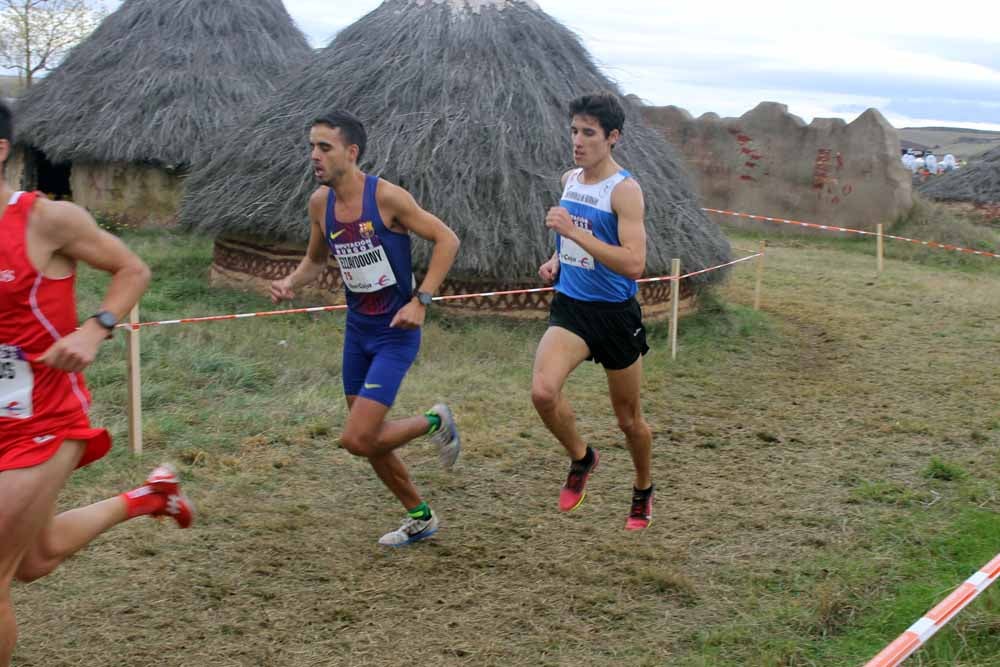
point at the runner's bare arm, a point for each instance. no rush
(405, 211)
(71, 232)
(628, 259)
(630, 206)
(549, 270)
(312, 265)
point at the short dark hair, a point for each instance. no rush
(6, 122)
(603, 106)
(348, 124)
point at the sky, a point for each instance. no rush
(920, 63)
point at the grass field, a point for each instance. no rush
(827, 471)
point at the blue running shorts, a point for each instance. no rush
(377, 357)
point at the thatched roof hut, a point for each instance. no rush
(465, 102)
(978, 183)
(143, 97)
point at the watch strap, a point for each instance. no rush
(106, 319)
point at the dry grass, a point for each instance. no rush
(783, 443)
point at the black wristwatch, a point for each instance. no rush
(106, 320)
(425, 298)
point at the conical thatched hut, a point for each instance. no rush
(136, 104)
(979, 183)
(465, 102)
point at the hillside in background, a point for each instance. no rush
(963, 143)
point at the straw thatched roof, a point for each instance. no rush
(159, 78)
(465, 102)
(978, 183)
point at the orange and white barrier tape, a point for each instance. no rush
(918, 633)
(240, 316)
(324, 309)
(813, 225)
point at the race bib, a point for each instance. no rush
(570, 253)
(364, 266)
(17, 383)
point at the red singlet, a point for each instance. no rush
(40, 407)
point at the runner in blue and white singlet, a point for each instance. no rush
(600, 253)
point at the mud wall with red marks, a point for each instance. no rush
(769, 162)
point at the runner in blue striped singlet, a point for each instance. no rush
(600, 253)
(365, 223)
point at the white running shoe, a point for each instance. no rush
(446, 438)
(412, 530)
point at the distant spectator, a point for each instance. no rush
(910, 162)
(948, 163)
(931, 163)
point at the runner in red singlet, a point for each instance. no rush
(44, 430)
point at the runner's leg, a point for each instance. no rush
(367, 434)
(27, 502)
(624, 387)
(559, 352)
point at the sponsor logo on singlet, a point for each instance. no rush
(583, 198)
(364, 265)
(571, 253)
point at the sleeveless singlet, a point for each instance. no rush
(375, 262)
(35, 312)
(580, 275)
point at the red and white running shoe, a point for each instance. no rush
(165, 481)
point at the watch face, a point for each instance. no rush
(425, 298)
(106, 320)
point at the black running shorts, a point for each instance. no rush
(612, 331)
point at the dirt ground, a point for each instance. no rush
(765, 428)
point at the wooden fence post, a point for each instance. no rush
(760, 275)
(880, 249)
(675, 301)
(134, 385)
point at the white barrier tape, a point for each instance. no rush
(812, 225)
(323, 309)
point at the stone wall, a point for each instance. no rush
(134, 194)
(769, 162)
(137, 194)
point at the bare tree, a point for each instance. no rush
(36, 34)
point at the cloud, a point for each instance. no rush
(911, 59)
(817, 70)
